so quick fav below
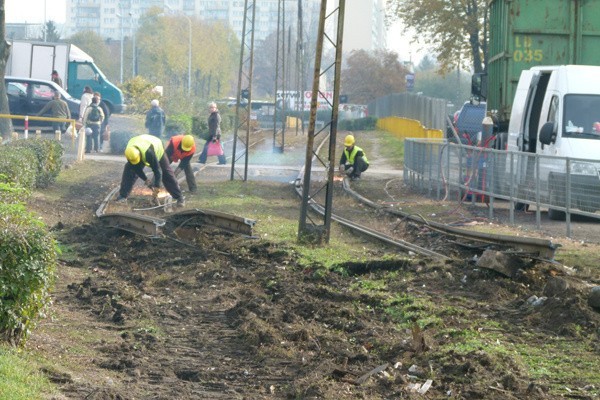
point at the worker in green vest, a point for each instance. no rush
(354, 160)
(147, 151)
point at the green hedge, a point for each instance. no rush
(19, 167)
(47, 157)
(180, 124)
(27, 265)
(360, 124)
(119, 139)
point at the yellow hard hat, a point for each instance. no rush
(132, 154)
(187, 143)
(349, 140)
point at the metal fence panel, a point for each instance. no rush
(453, 171)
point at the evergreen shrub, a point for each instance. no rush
(27, 266)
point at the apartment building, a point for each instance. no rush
(111, 18)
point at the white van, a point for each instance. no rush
(556, 112)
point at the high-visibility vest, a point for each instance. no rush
(350, 156)
(143, 143)
(179, 154)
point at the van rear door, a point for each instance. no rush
(520, 110)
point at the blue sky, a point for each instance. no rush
(33, 10)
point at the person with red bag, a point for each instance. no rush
(182, 148)
(213, 146)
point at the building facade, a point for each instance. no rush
(115, 18)
(364, 25)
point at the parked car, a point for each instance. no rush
(28, 96)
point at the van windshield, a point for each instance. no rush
(581, 116)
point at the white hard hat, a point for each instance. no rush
(154, 103)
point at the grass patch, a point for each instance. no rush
(404, 310)
(19, 379)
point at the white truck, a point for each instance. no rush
(556, 114)
(31, 59)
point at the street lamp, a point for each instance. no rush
(189, 47)
(133, 34)
(121, 19)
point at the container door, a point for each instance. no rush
(42, 62)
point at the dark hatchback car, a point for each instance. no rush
(28, 96)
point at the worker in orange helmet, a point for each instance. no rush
(354, 160)
(147, 151)
(182, 148)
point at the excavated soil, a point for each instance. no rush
(207, 314)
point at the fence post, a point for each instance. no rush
(26, 126)
(568, 203)
(430, 168)
(460, 174)
(512, 189)
(490, 188)
(538, 213)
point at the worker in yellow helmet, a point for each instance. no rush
(354, 160)
(147, 151)
(182, 148)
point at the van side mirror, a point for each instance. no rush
(547, 133)
(479, 85)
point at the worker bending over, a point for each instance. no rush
(354, 160)
(182, 148)
(147, 151)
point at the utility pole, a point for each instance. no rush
(315, 232)
(279, 116)
(244, 91)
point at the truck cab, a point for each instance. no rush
(83, 72)
(37, 60)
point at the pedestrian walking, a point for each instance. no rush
(92, 120)
(147, 151)
(182, 148)
(57, 108)
(354, 160)
(155, 119)
(86, 100)
(214, 136)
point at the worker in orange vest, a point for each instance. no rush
(182, 148)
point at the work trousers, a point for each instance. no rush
(168, 179)
(189, 177)
(359, 166)
(92, 140)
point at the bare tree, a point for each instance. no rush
(5, 123)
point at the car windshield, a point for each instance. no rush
(582, 116)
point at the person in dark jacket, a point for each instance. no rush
(182, 148)
(54, 77)
(57, 108)
(155, 119)
(92, 120)
(147, 151)
(354, 160)
(214, 134)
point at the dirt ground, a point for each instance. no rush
(213, 315)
